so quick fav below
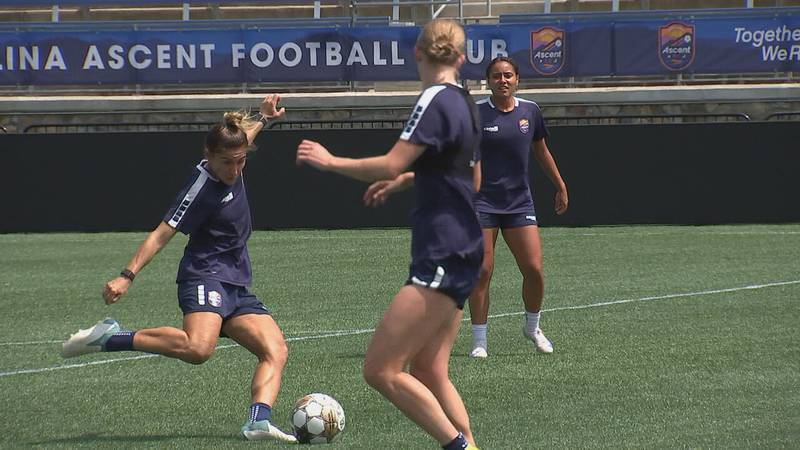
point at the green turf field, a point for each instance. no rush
(665, 337)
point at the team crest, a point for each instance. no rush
(676, 45)
(215, 299)
(524, 126)
(548, 50)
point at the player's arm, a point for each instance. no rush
(378, 192)
(477, 176)
(548, 165)
(268, 110)
(155, 241)
(384, 167)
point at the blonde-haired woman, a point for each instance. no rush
(439, 143)
(213, 274)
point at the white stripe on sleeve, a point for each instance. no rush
(191, 194)
(419, 109)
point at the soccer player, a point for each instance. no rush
(440, 143)
(512, 129)
(212, 277)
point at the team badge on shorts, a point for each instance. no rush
(524, 126)
(548, 50)
(215, 299)
(676, 45)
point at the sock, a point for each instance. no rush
(459, 443)
(119, 342)
(479, 335)
(531, 321)
(260, 411)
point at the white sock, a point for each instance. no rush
(531, 321)
(479, 336)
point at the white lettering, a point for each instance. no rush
(254, 55)
(237, 53)
(29, 57)
(396, 59)
(207, 49)
(93, 59)
(376, 54)
(312, 52)
(135, 63)
(357, 55)
(333, 53)
(55, 59)
(163, 57)
(185, 58)
(298, 54)
(115, 53)
(498, 48)
(472, 57)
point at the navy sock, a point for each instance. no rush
(120, 342)
(260, 411)
(459, 443)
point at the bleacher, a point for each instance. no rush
(79, 100)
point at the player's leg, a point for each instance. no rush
(194, 343)
(431, 367)
(415, 317)
(526, 246)
(254, 329)
(479, 299)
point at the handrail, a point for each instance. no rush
(638, 14)
(779, 115)
(337, 124)
(627, 119)
(134, 3)
(119, 127)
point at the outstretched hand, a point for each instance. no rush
(314, 154)
(115, 289)
(269, 107)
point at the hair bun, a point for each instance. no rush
(233, 119)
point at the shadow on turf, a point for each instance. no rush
(94, 438)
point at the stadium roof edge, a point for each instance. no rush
(383, 100)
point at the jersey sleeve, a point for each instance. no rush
(187, 211)
(424, 126)
(539, 128)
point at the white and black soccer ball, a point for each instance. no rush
(317, 419)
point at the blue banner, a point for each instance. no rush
(186, 54)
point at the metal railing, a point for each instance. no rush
(649, 119)
(784, 116)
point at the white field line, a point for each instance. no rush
(370, 330)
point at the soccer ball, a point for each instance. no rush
(317, 419)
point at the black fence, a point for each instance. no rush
(697, 173)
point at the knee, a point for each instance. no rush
(532, 269)
(429, 376)
(197, 354)
(277, 354)
(375, 376)
(486, 272)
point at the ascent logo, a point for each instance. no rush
(676, 45)
(548, 50)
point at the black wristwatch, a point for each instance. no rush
(263, 119)
(127, 274)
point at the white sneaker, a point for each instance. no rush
(91, 339)
(478, 352)
(263, 429)
(542, 344)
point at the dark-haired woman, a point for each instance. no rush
(213, 274)
(513, 128)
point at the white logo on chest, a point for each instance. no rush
(228, 197)
(492, 129)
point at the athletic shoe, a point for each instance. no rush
(478, 352)
(472, 447)
(539, 340)
(254, 431)
(91, 339)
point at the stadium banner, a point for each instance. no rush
(386, 53)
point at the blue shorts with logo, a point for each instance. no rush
(507, 220)
(454, 276)
(227, 300)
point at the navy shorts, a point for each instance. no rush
(454, 276)
(227, 300)
(503, 220)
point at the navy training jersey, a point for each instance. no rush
(444, 221)
(505, 152)
(217, 219)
